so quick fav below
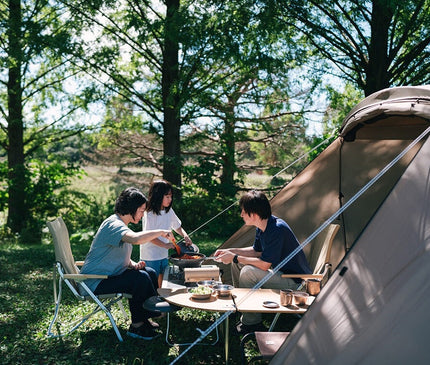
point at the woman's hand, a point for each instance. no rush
(137, 265)
(167, 234)
(188, 241)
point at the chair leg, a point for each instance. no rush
(115, 327)
(248, 337)
(121, 307)
(106, 309)
(57, 299)
(75, 325)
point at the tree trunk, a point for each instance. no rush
(170, 93)
(228, 156)
(18, 211)
(377, 73)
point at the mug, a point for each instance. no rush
(286, 297)
(313, 286)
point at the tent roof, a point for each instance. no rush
(405, 100)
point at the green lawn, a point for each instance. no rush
(27, 306)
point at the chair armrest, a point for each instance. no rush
(303, 276)
(79, 263)
(321, 276)
(82, 277)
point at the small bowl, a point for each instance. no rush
(200, 292)
(209, 283)
(223, 290)
(300, 298)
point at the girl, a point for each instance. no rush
(160, 215)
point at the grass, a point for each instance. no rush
(27, 306)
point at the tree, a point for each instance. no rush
(250, 120)
(34, 45)
(181, 57)
(137, 56)
(373, 44)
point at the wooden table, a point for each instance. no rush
(242, 300)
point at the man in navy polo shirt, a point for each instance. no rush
(274, 241)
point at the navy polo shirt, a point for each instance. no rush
(276, 243)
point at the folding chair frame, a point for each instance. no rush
(102, 302)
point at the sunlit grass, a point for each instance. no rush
(27, 303)
(27, 306)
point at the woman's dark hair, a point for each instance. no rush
(156, 194)
(129, 201)
(256, 202)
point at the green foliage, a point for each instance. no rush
(27, 306)
(373, 44)
(204, 197)
(49, 195)
(340, 105)
(45, 196)
(327, 138)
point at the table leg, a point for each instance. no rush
(274, 322)
(226, 338)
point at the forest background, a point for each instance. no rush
(215, 96)
(218, 97)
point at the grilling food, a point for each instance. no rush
(189, 257)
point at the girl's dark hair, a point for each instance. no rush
(256, 202)
(157, 191)
(129, 201)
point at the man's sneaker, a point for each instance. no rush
(145, 332)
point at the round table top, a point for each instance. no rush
(244, 300)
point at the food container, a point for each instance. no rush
(300, 298)
(313, 286)
(286, 297)
(200, 292)
(209, 283)
(223, 290)
(205, 272)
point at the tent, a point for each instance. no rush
(375, 309)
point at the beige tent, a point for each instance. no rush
(375, 309)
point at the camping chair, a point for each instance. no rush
(67, 270)
(269, 342)
(319, 258)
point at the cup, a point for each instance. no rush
(300, 298)
(286, 297)
(313, 286)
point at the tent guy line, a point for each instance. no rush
(309, 239)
